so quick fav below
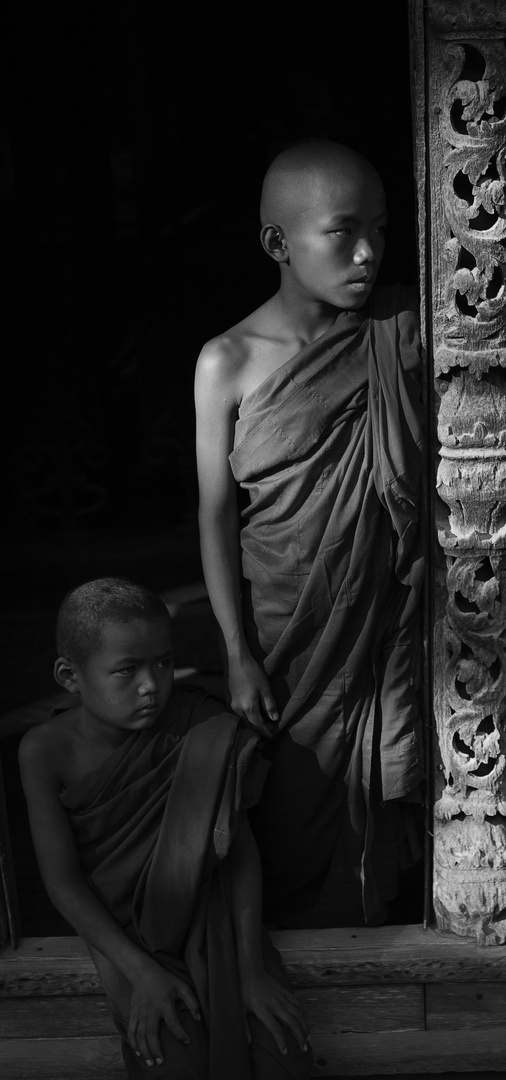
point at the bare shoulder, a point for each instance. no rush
(218, 362)
(225, 360)
(45, 746)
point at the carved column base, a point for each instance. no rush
(470, 878)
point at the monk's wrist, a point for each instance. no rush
(137, 965)
(250, 966)
(238, 653)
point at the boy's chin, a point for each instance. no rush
(354, 303)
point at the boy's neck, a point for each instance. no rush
(306, 319)
(99, 732)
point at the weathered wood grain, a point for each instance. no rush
(388, 1053)
(357, 1029)
(469, 1005)
(339, 1009)
(361, 957)
(395, 954)
(53, 976)
(48, 966)
(51, 1017)
(97, 1058)
(353, 1054)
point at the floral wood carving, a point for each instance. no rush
(467, 154)
(471, 325)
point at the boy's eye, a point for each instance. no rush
(166, 661)
(126, 670)
(342, 232)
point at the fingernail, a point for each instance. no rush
(159, 1061)
(187, 1042)
(149, 1062)
(137, 1053)
(284, 1050)
(199, 1016)
(305, 1046)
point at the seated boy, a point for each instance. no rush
(136, 794)
(311, 406)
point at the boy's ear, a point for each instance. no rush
(273, 241)
(65, 675)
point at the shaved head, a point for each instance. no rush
(300, 175)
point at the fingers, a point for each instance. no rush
(187, 996)
(143, 1032)
(281, 1011)
(145, 1043)
(251, 697)
(171, 1016)
(175, 1027)
(297, 1028)
(269, 706)
(274, 1028)
(251, 712)
(291, 1014)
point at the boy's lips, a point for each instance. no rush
(365, 279)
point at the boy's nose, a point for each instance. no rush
(364, 252)
(147, 685)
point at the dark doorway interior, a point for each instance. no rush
(134, 143)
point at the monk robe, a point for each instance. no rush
(329, 450)
(153, 825)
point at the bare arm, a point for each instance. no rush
(154, 990)
(216, 407)
(274, 1004)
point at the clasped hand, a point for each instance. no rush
(154, 999)
(251, 695)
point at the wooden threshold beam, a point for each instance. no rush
(343, 957)
(383, 1001)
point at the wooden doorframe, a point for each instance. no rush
(459, 107)
(458, 62)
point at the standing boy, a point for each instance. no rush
(311, 406)
(135, 793)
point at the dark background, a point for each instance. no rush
(136, 136)
(134, 139)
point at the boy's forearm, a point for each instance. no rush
(220, 550)
(98, 928)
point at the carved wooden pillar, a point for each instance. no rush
(465, 127)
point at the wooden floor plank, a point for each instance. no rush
(97, 1058)
(44, 1017)
(347, 1054)
(473, 1005)
(409, 1052)
(330, 1010)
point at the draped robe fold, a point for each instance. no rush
(329, 449)
(153, 825)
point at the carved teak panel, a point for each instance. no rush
(466, 101)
